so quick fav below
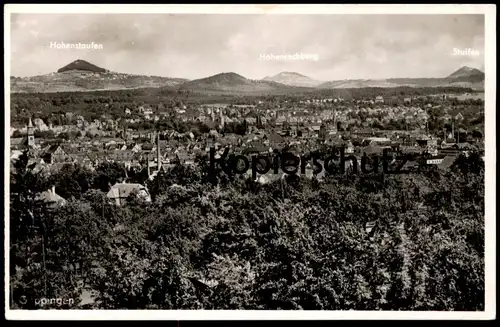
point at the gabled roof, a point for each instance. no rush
(463, 145)
(373, 149)
(51, 149)
(123, 190)
(184, 156)
(122, 155)
(147, 147)
(18, 141)
(50, 197)
(275, 137)
(255, 149)
(447, 162)
(92, 156)
(69, 149)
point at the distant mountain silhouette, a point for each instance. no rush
(221, 80)
(292, 78)
(467, 72)
(80, 75)
(463, 77)
(82, 65)
(74, 77)
(235, 83)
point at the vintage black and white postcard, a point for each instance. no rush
(250, 161)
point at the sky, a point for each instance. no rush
(199, 45)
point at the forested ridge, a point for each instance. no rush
(234, 244)
(92, 105)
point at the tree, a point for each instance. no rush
(17, 134)
(348, 242)
(107, 174)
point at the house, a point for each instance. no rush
(185, 158)
(15, 154)
(447, 162)
(349, 148)
(120, 193)
(124, 157)
(147, 147)
(376, 141)
(255, 150)
(37, 165)
(316, 128)
(364, 133)
(394, 100)
(134, 147)
(113, 142)
(410, 165)
(51, 198)
(112, 147)
(447, 117)
(280, 120)
(379, 99)
(18, 143)
(409, 149)
(373, 149)
(463, 146)
(450, 151)
(54, 154)
(90, 160)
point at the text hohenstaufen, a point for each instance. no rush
(78, 46)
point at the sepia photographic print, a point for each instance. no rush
(250, 161)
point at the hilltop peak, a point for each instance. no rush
(292, 78)
(81, 64)
(229, 74)
(466, 71)
(290, 74)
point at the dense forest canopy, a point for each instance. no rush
(91, 105)
(233, 244)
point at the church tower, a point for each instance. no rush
(31, 134)
(221, 119)
(158, 152)
(259, 121)
(335, 121)
(322, 132)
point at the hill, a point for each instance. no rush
(464, 77)
(236, 84)
(81, 65)
(467, 72)
(357, 83)
(293, 79)
(81, 76)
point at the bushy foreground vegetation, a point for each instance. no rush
(234, 244)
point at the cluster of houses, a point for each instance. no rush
(300, 130)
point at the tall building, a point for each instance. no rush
(31, 134)
(221, 117)
(212, 114)
(322, 132)
(259, 120)
(334, 120)
(158, 153)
